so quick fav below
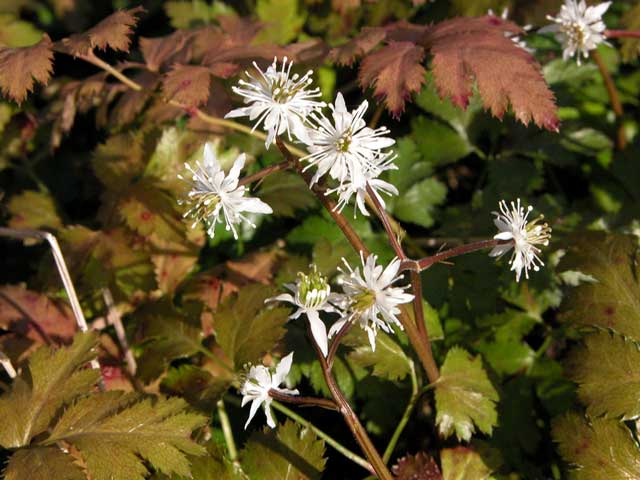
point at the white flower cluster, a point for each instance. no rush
(342, 146)
(351, 156)
(578, 27)
(369, 299)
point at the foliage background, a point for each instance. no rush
(102, 177)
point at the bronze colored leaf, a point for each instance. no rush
(22, 67)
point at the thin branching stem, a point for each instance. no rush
(622, 33)
(303, 401)
(63, 271)
(384, 218)
(427, 262)
(418, 309)
(219, 122)
(415, 395)
(614, 98)
(115, 318)
(335, 343)
(7, 365)
(227, 432)
(354, 457)
(265, 172)
(350, 417)
(348, 231)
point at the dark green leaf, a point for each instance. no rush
(246, 328)
(388, 361)
(295, 453)
(286, 192)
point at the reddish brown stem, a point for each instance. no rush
(358, 431)
(614, 98)
(303, 401)
(330, 205)
(622, 33)
(427, 262)
(384, 218)
(336, 342)
(416, 287)
(265, 172)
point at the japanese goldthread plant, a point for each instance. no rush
(237, 241)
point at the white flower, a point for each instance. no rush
(213, 192)
(374, 299)
(278, 100)
(514, 38)
(578, 27)
(343, 148)
(312, 294)
(358, 186)
(258, 383)
(512, 225)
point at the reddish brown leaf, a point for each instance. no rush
(395, 71)
(476, 50)
(21, 67)
(174, 48)
(113, 32)
(417, 467)
(35, 316)
(367, 40)
(131, 103)
(187, 84)
(241, 30)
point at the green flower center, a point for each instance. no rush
(313, 288)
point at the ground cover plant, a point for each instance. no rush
(304, 239)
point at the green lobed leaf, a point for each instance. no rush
(167, 334)
(388, 361)
(606, 371)
(462, 463)
(188, 14)
(418, 203)
(286, 192)
(464, 396)
(55, 378)
(613, 301)
(282, 18)
(116, 432)
(42, 463)
(196, 385)
(437, 142)
(601, 449)
(246, 328)
(31, 209)
(294, 453)
(212, 466)
(119, 160)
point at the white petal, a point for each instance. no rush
(318, 330)
(254, 408)
(282, 370)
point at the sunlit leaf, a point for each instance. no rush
(462, 463)
(607, 377)
(600, 449)
(465, 398)
(613, 301)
